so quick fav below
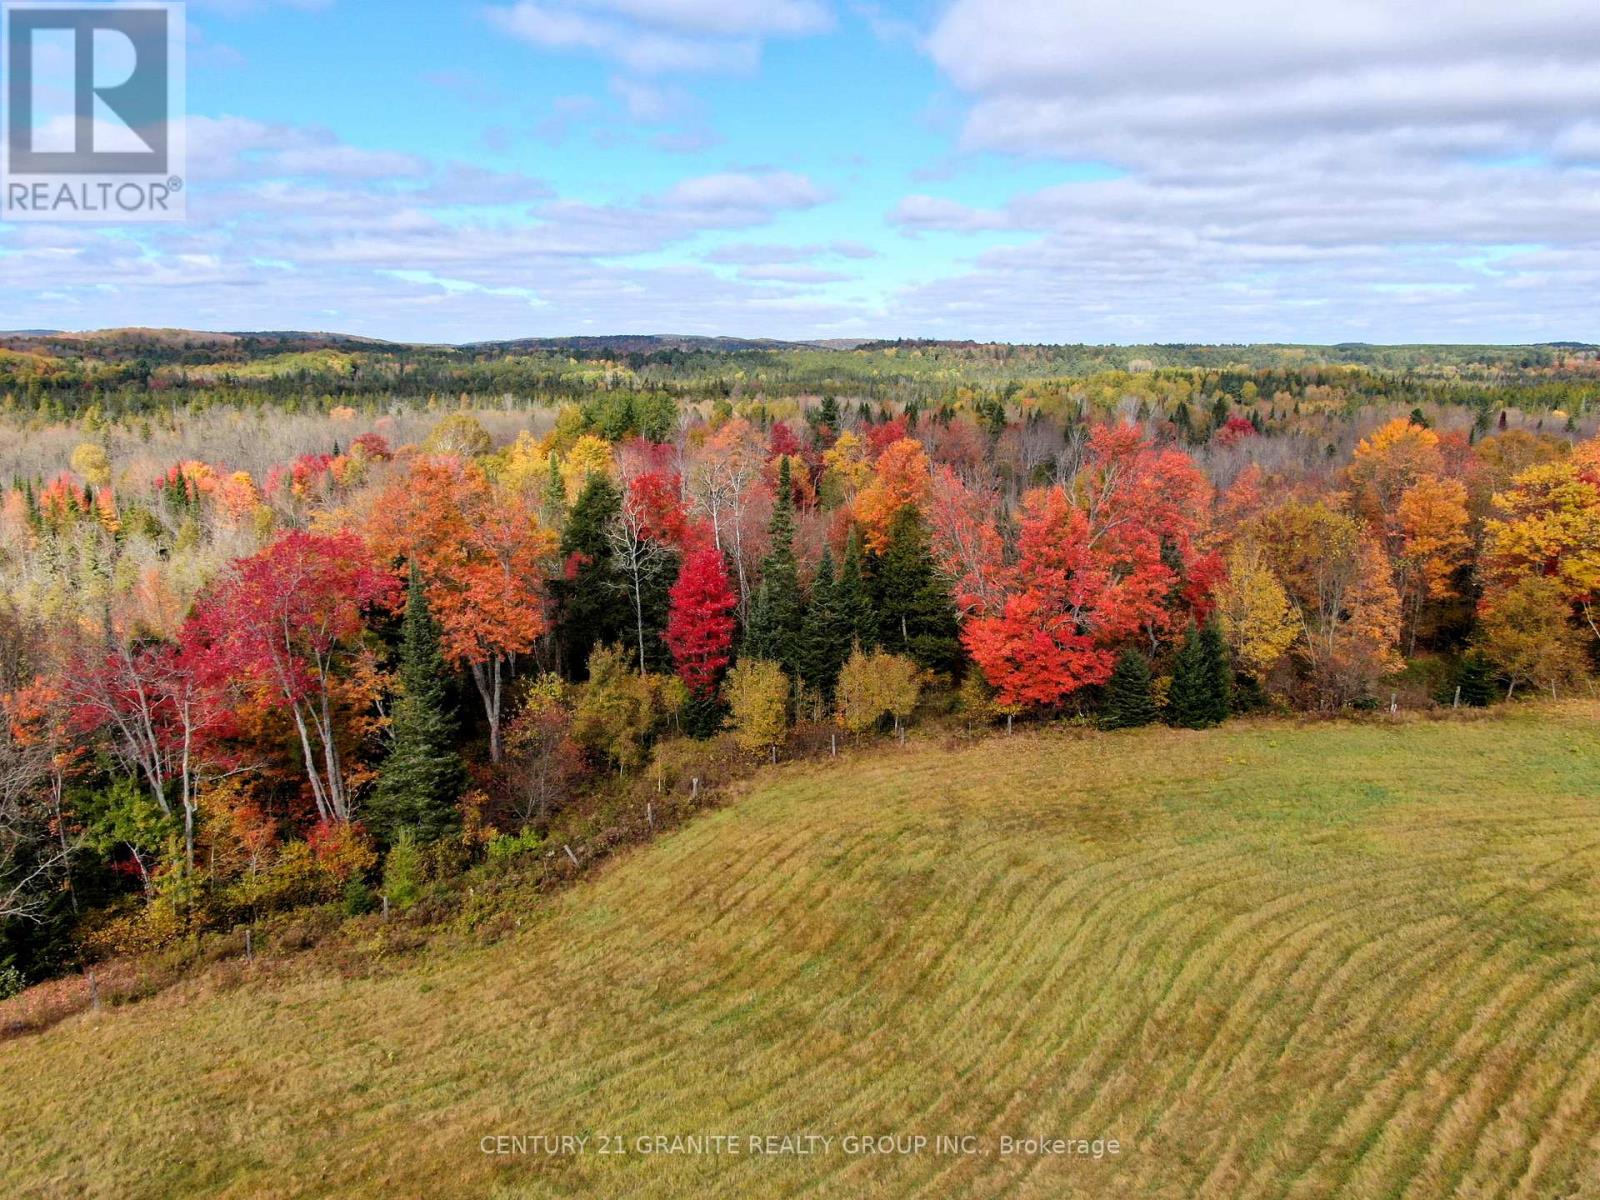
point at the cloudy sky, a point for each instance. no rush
(1152, 170)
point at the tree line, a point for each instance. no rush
(225, 696)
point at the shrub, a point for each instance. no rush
(402, 872)
(359, 898)
(507, 846)
(12, 982)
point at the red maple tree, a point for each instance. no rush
(284, 625)
(700, 621)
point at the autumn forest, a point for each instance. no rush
(330, 625)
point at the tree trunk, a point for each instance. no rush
(317, 793)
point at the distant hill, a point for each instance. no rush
(633, 343)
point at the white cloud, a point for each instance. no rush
(656, 37)
(426, 250)
(793, 275)
(1349, 168)
(735, 193)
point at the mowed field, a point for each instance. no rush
(1269, 960)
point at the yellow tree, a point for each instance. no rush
(1429, 544)
(1254, 611)
(758, 703)
(1338, 583)
(1527, 633)
(1501, 458)
(875, 685)
(1388, 461)
(845, 469)
(1547, 524)
(90, 461)
(590, 455)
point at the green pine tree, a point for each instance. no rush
(422, 778)
(592, 610)
(1474, 675)
(777, 613)
(853, 598)
(916, 616)
(1183, 421)
(1219, 672)
(826, 635)
(555, 489)
(759, 637)
(1198, 697)
(1130, 696)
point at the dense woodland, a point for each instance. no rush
(290, 621)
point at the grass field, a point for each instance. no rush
(1271, 961)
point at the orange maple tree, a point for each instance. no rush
(483, 556)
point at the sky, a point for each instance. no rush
(1002, 170)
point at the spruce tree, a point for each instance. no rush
(826, 635)
(592, 611)
(916, 616)
(1198, 697)
(1219, 672)
(555, 489)
(1183, 421)
(421, 780)
(1475, 677)
(853, 598)
(777, 613)
(1130, 698)
(759, 638)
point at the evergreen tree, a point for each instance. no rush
(916, 616)
(422, 778)
(853, 599)
(1130, 698)
(555, 489)
(759, 638)
(592, 611)
(1183, 421)
(1474, 675)
(1201, 681)
(1219, 672)
(828, 413)
(827, 633)
(777, 614)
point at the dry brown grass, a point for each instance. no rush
(1273, 961)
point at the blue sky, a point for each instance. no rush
(994, 169)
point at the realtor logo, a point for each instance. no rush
(93, 119)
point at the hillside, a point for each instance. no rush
(1270, 960)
